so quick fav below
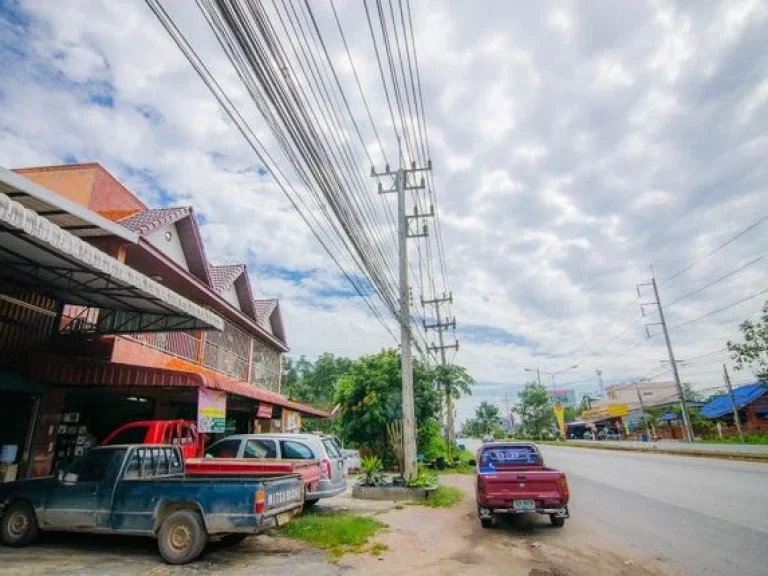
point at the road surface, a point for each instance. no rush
(703, 515)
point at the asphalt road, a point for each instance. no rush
(703, 515)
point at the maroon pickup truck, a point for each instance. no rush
(512, 479)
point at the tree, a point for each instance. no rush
(753, 352)
(370, 396)
(314, 383)
(571, 414)
(452, 382)
(488, 418)
(535, 409)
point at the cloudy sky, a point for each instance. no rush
(575, 144)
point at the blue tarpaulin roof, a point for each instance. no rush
(743, 395)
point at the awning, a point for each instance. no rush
(38, 255)
(81, 372)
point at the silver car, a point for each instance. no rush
(327, 449)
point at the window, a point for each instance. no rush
(97, 465)
(223, 449)
(295, 450)
(151, 462)
(332, 448)
(133, 435)
(493, 458)
(260, 449)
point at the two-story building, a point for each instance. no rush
(96, 380)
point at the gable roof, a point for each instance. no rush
(153, 219)
(225, 276)
(743, 395)
(269, 317)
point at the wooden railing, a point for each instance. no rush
(180, 344)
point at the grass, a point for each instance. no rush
(444, 497)
(337, 534)
(748, 439)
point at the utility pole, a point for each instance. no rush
(733, 403)
(401, 186)
(642, 410)
(440, 326)
(600, 381)
(683, 404)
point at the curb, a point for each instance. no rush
(741, 456)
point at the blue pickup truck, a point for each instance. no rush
(142, 490)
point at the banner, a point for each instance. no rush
(211, 410)
(560, 417)
(264, 410)
(291, 421)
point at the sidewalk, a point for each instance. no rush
(756, 452)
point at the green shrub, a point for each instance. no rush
(444, 497)
(371, 467)
(423, 479)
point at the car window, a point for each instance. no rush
(98, 465)
(150, 462)
(331, 448)
(134, 435)
(493, 458)
(260, 449)
(295, 450)
(226, 448)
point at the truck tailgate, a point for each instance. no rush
(282, 495)
(501, 488)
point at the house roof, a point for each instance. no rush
(742, 396)
(153, 219)
(269, 317)
(222, 277)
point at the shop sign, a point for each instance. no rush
(560, 416)
(618, 410)
(211, 411)
(291, 420)
(264, 410)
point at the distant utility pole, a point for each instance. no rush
(440, 326)
(401, 186)
(733, 403)
(657, 302)
(642, 410)
(600, 381)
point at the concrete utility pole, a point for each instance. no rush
(600, 381)
(733, 403)
(642, 409)
(683, 404)
(440, 326)
(403, 229)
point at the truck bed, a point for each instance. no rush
(309, 470)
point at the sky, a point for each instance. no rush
(575, 145)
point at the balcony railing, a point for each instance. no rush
(179, 344)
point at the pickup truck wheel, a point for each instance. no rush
(558, 522)
(182, 537)
(18, 525)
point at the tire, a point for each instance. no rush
(18, 526)
(486, 522)
(182, 537)
(557, 522)
(234, 539)
(309, 504)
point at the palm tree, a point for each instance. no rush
(488, 416)
(452, 382)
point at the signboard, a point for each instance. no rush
(291, 421)
(211, 411)
(264, 410)
(618, 410)
(560, 416)
(566, 397)
(604, 412)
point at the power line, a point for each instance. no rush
(724, 308)
(724, 277)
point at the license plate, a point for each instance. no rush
(524, 505)
(277, 499)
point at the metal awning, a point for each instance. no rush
(38, 255)
(67, 215)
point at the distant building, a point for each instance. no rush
(652, 393)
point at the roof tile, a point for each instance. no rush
(222, 277)
(150, 220)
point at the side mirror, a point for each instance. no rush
(472, 462)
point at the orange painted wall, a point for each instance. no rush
(72, 183)
(89, 185)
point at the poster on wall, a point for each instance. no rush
(211, 411)
(264, 410)
(291, 421)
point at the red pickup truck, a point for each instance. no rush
(512, 479)
(184, 434)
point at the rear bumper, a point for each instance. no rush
(326, 493)
(559, 511)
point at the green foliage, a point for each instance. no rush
(748, 439)
(423, 479)
(753, 352)
(338, 534)
(314, 382)
(488, 417)
(453, 380)
(371, 467)
(370, 395)
(571, 414)
(535, 409)
(444, 497)
(430, 443)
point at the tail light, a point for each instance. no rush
(260, 502)
(564, 487)
(326, 469)
(480, 483)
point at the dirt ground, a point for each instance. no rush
(421, 541)
(451, 541)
